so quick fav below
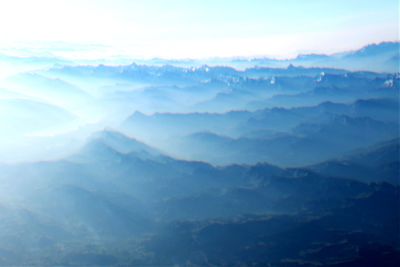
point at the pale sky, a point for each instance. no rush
(199, 28)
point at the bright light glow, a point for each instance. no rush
(197, 29)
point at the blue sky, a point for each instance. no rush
(201, 28)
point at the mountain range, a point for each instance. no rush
(217, 162)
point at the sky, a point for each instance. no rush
(196, 28)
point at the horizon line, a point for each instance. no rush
(10, 52)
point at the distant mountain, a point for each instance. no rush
(276, 135)
(380, 162)
(340, 128)
(372, 50)
(161, 126)
(379, 57)
(309, 143)
(122, 144)
(237, 123)
(210, 88)
(284, 119)
(337, 89)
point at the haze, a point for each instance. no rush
(195, 29)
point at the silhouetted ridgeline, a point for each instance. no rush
(227, 162)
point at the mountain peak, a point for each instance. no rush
(113, 145)
(122, 143)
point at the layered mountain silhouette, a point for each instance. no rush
(99, 193)
(217, 162)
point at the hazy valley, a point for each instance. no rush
(225, 162)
